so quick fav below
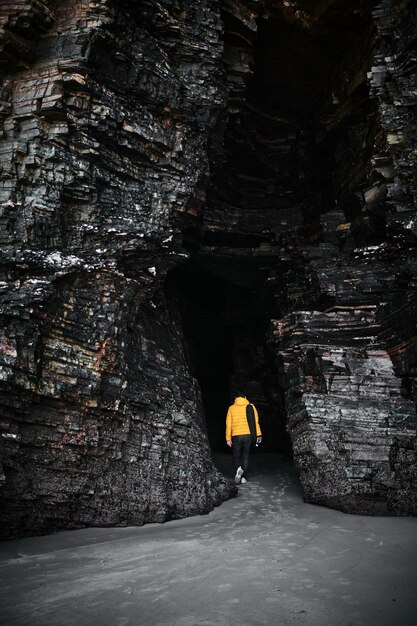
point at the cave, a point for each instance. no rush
(225, 326)
(197, 197)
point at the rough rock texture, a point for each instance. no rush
(268, 145)
(316, 188)
(102, 423)
(353, 431)
(350, 360)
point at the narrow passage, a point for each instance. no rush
(263, 558)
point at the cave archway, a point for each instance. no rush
(225, 324)
(282, 190)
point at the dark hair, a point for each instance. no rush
(240, 394)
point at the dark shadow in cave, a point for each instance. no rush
(291, 151)
(224, 326)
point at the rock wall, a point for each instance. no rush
(266, 143)
(353, 430)
(107, 111)
(349, 355)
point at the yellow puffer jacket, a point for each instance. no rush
(236, 422)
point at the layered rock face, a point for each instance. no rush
(350, 359)
(107, 110)
(267, 145)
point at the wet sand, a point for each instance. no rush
(263, 558)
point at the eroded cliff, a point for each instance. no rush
(107, 110)
(149, 150)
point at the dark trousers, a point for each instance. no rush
(240, 451)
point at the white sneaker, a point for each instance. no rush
(243, 480)
(238, 475)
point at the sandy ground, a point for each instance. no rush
(264, 558)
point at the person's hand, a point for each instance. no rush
(259, 440)
(229, 443)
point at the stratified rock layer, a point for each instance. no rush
(353, 431)
(269, 145)
(104, 144)
(350, 360)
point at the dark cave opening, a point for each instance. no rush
(293, 151)
(225, 325)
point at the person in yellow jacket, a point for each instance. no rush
(238, 435)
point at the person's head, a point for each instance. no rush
(240, 394)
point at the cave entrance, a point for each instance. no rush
(286, 163)
(225, 324)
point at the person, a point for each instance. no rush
(238, 436)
